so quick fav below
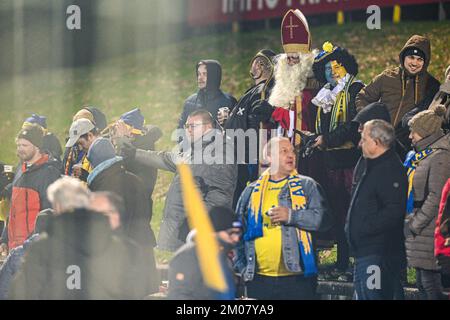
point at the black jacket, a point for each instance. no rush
(377, 209)
(210, 98)
(135, 221)
(239, 119)
(239, 116)
(349, 131)
(186, 278)
(336, 157)
(80, 248)
(147, 174)
(52, 145)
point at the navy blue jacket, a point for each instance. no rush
(211, 97)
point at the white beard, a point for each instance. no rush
(290, 80)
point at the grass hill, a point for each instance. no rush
(159, 80)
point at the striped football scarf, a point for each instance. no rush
(411, 162)
(255, 218)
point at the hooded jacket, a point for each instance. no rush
(111, 176)
(29, 196)
(211, 97)
(106, 265)
(429, 180)
(398, 90)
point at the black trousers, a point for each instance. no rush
(429, 284)
(282, 288)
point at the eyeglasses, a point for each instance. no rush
(193, 125)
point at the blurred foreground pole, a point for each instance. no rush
(207, 246)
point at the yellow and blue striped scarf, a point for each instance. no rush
(411, 162)
(255, 218)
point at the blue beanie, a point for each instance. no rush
(37, 119)
(134, 118)
(100, 151)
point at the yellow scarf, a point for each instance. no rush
(298, 199)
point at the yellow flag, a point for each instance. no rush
(207, 247)
(4, 209)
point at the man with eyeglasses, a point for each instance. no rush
(185, 277)
(206, 150)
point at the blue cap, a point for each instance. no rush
(37, 119)
(134, 118)
(100, 151)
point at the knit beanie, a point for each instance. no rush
(222, 218)
(100, 151)
(428, 122)
(376, 110)
(413, 51)
(32, 133)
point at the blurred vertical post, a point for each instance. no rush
(396, 17)
(442, 15)
(235, 27)
(340, 17)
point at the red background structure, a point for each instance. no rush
(205, 12)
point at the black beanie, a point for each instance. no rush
(222, 218)
(413, 51)
(32, 133)
(42, 220)
(376, 110)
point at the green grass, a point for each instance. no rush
(327, 258)
(159, 80)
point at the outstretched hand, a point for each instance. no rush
(128, 151)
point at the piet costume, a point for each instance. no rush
(336, 68)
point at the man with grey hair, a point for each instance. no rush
(67, 194)
(79, 256)
(111, 205)
(374, 226)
